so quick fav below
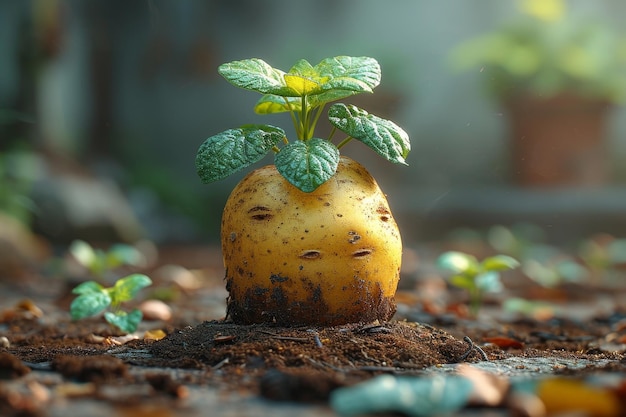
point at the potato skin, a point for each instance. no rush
(328, 257)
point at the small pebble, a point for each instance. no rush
(155, 310)
(4, 342)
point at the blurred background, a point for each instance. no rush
(103, 105)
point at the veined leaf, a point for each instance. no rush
(269, 103)
(89, 304)
(126, 322)
(354, 74)
(126, 288)
(357, 74)
(303, 86)
(256, 75)
(307, 164)
(385, 137)
(234, 149)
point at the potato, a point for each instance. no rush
(327, 257)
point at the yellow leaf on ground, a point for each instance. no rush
(561, 395)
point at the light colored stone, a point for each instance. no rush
(155, 310)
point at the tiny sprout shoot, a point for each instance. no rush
(476, 277)
(93, 299)
(99, 262)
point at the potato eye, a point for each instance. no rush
(311, 254)
(361, 253)
(260, 213)
(385, 215)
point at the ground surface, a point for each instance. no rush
(52, 366)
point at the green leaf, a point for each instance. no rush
(269, 103)
(383, 136)
(234, 149)
(126, 322)
(83, 253)
(354, 74)
(357, 74)
(87, 287)
(126, 288)
(463, 281)
(499, 263)
(89, 304)
(488, 282)
(458, 262)
(307, 164)
(256, 75)
(122, 254)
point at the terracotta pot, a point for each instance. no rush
(559, 141)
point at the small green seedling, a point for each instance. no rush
(93, 299)
(476, 277)
(303, 92)
(98, 262)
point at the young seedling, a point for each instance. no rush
(303, 91)
(93, 299)
(476, 277)
(298, 247)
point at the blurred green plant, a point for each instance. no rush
(98, 262)
(547, 51)
(93, 299)
(19, 168)
(476, 277)
(545, 264)
(604, 255)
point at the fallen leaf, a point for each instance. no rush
(504, 342)
(561, 395)
(156, 334)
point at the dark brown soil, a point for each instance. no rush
(47, 356)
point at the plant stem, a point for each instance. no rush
(294, 119)
(304, 119)
(475, 301)
(344, 142)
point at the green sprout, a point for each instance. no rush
(476, 277)
(93, 299)
(303, 92)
